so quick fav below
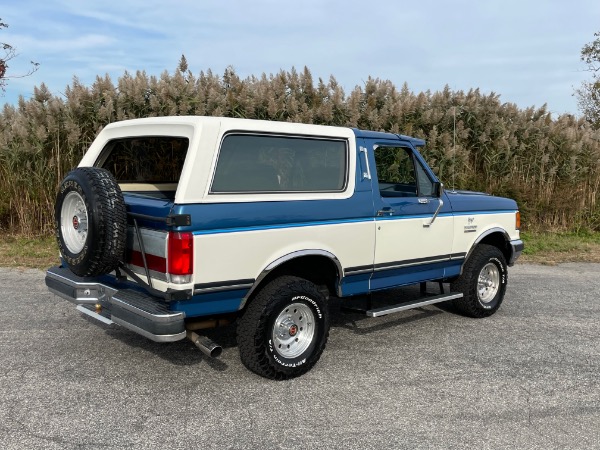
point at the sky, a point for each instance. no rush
(527, 51)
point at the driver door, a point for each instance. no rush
(414, 229)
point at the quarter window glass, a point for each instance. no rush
(253, 163)
(425, 184)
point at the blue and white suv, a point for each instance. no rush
(175, 224)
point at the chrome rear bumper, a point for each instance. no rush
(122, 305)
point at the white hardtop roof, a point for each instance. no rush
(228, 123)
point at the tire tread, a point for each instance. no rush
(110, 221)
(469, 304)
(251, 344)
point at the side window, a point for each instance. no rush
(258, 163)
(400, 175)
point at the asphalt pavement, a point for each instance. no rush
(527, 377)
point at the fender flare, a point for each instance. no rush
(480, 238)
(288, 257)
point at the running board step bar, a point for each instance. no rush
(413, 304)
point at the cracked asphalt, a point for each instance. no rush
(528, 378)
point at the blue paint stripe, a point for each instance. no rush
(479, 213)
(337, 222)
(410, 216)
(283, 225)
(448, 214)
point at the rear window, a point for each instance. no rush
(255, 163)
(155, 159)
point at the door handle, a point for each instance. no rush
(424, 201)
(386, 211)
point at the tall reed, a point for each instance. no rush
(550, 165)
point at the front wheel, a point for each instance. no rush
(483, 282)
(283, 332)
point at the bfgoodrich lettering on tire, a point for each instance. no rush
(483, 282)
(91, 221)
(283, 332)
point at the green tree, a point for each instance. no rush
(588, 95)
(9, 53)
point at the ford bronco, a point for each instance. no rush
(172, 225)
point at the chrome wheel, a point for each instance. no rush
(74, 222)
(488, 283)
(293, 330)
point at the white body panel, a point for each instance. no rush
(466, 236)
(245, 254)
(409, 239)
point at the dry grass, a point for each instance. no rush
(589, 253)
(555, 248)
(39, 252)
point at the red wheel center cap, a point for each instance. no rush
(76, 222)
(293, 330)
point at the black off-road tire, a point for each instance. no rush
(92, 238)
(483, 282)
(284, 305)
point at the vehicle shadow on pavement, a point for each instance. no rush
(354, 321)
(351, 313)
(180, 353)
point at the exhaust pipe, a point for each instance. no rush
(208, 347)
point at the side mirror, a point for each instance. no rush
(438, 189)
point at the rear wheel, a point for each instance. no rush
(91, 221)
(283, 332)
(483, 282)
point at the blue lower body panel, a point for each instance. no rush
(211, 304)
(402, 276)
(385, 279)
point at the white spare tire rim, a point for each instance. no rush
(74, 222)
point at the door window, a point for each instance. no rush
(400, 175)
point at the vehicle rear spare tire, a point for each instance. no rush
(91, 221)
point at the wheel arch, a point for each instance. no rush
(498, 237)
(318, 266)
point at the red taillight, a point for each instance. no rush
(180, 257)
